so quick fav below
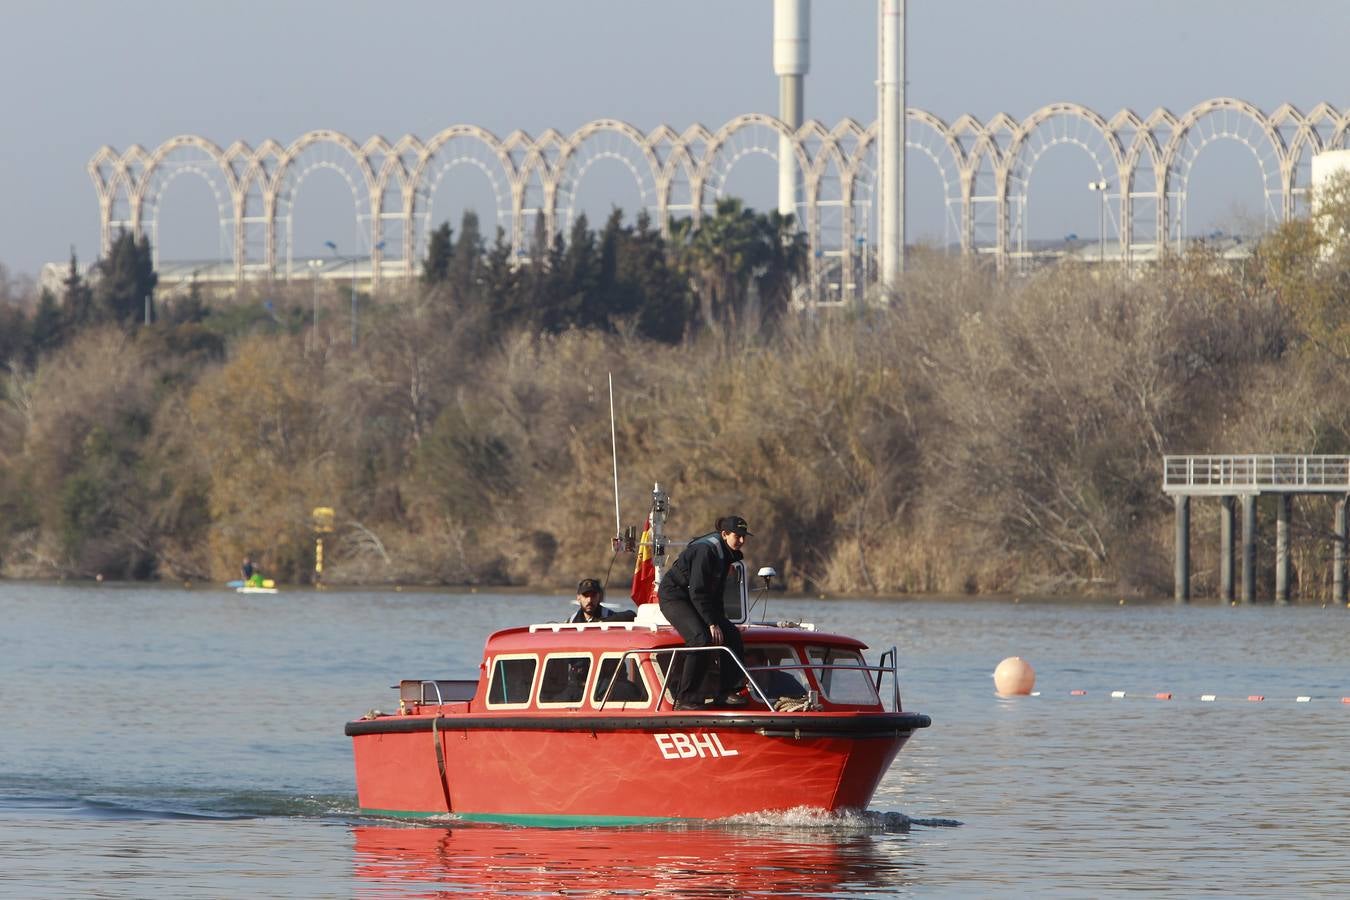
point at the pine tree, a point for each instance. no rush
(47, 329)
(127, 289)
(77, 300)
(467, 261)
(663, 303)
(576, 270)
(13, 334)
(501, 282)
(436, 267)
(609, 299)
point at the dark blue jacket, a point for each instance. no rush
(699, 576)
(580, 615)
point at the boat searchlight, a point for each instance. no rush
(767, 575)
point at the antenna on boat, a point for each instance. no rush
(614, 446)
(766, 576)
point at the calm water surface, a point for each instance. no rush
(188, 743)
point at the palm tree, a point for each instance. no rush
(721, 254)
(784, 262)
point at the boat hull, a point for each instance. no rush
(575, 769)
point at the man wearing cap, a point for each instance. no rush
(691, 599)
(590, 597)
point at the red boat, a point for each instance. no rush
(815, 731)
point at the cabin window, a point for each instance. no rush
(629, 687)
(564, 679)
(512, 679)
(761, 661)
(846, 681)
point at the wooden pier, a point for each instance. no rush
(1243, 479)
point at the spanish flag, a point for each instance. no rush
(644, 572)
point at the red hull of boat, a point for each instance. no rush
(680, 769)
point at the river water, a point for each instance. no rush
(188, 743)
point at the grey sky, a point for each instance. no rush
(81, 74)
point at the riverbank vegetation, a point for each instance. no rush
(975, 434)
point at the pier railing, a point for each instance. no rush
(1256, 474)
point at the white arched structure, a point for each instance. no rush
(985, 171)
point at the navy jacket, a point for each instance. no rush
(699, 575)
(580, 615)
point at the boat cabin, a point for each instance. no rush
(622, 668)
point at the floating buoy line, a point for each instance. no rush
(1015, 676)
(1207, 698)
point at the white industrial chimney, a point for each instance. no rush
(891, 141)
(791, 60)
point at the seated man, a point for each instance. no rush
(564, 679)
(575, 688)
(774, 683)
(591, 605)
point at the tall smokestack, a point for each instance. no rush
(791, 61)
(891, 142)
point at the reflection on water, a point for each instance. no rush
(707, 862)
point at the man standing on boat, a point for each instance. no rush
(590, 600)
(691, 600)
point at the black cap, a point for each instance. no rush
(590, 585)
(734, 523)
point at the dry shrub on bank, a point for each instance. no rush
(1055, 399)
(264, 439)
(518, 462)
(86, 415)
(976, 435)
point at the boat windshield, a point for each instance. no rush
(762, 660)
(843, 678)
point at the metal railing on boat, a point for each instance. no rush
(879, 671)
(602, 625)
(442, 690)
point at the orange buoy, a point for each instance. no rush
(1256, 698)
(1077, 692)
(1014, 676)
(1162, 696)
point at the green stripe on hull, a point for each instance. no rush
(534, 821)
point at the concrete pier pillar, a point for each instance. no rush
(1248, 548)
(1226, 505)
(1182, 573)
(1282, 549)
(1338, 556)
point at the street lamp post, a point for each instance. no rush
(314, 266)
(353, 260)
(347, 259)
(860, 289)
(1100, 188)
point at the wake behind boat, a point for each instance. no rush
(819, 726)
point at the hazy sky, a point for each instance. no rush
(78, 74)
